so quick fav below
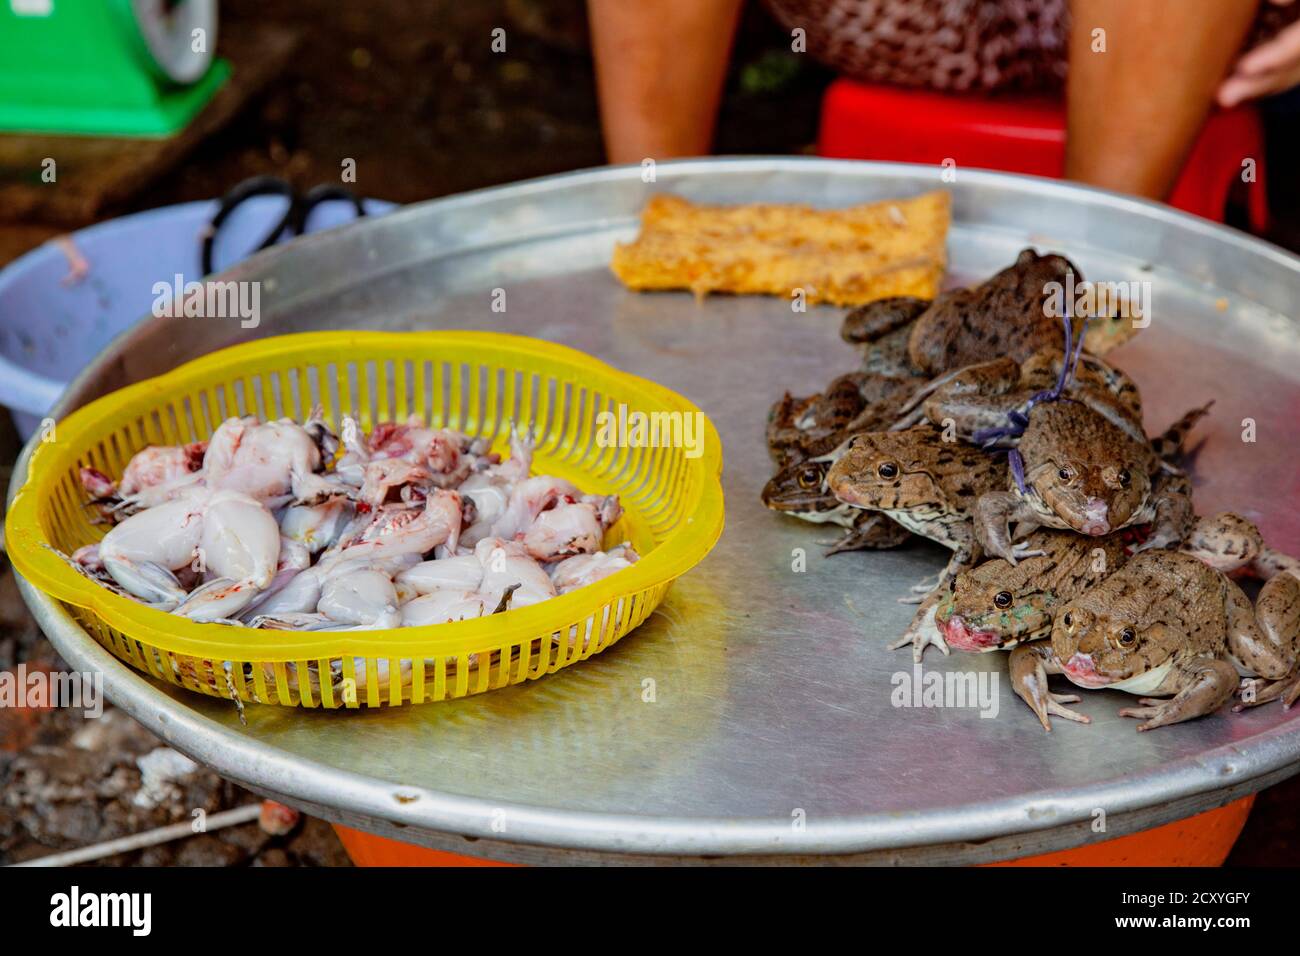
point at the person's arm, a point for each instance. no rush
(659, 73)
(1272, 67)
(1136, 109)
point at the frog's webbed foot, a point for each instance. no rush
(994, 513)
(913, 418)
(1255, 691)
(963, 559)
(1021, 550)
(920, 639)
(922, 631)
(1029, 665)
(877, 532)
(851, 541)
(1157, 540)
(1055, 706)
(920, 589)
(1207, 686)
(1172, 523)
(934, 585)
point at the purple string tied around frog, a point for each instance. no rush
(1017, 420)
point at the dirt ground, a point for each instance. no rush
(410, 90)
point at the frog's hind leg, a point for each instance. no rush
(1029, 666)
(1229, 543)
(872, 531)
(969, 416)
(875, 320)
(1170, 445)
(1207, 684)
(1263, 638)
(1123, 392)
(1270, 562)
(1226, 542)
(988, 379)
(1267, 641)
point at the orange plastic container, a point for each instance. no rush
(1205, 839)
(370, 849)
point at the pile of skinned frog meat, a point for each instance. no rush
(266, 525)
(985, 410)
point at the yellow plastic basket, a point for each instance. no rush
(479, 383)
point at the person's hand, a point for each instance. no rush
(1269, 68)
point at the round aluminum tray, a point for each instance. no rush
(772, 732)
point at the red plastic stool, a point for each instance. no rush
(861, 121)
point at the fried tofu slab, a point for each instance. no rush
(842, 257)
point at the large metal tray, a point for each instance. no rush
(771, 733)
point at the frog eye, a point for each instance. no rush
(1127, 637)
(810, 477)
(1002, 599)
(1125, 479)
(1066, 474)
(1068, 621)
(887, 470)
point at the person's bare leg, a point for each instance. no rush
(1136, 109)
(659, 72)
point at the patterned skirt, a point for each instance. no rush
(955, 45)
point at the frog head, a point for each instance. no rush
(799, 489)
(1101, 647)
(888, 470)
(1086, 471)
(996, 606)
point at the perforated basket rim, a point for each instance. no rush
(28, 543)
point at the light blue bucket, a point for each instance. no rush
(52, 326)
